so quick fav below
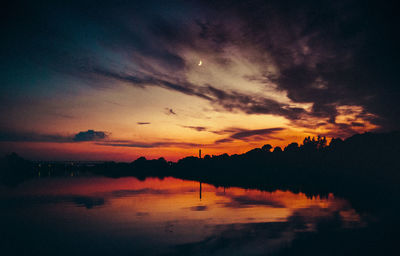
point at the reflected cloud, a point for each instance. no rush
(88, 202)
(246, 201)
(148, 191)
(199, 208)
(240, 239)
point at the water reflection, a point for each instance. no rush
(94, 215)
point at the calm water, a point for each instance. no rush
(102, 216)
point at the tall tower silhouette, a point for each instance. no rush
(199, 153)
(200, 191)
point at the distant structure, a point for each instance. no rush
(199, 153)
(200, 191)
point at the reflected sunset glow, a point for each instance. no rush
(170, 211)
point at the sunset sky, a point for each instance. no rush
(98, 80)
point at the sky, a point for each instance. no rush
(116, 80)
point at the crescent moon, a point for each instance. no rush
(200, 63)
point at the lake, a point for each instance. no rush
(127, 216)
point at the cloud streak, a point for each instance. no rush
(196, 128)
(89, 135)
(7, 136)
(249, 135)
(139, 144)
(245, 134)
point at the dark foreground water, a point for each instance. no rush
(126, 216)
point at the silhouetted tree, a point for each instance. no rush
(312, 144)
(335, 143)
(14, 169)
(267, 148)
(292, 147)
(321, 142)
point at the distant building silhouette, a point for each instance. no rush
(199, 153)
(200, 191)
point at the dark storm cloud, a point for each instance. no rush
(328, 54)
(332, 53)
(90, 135)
